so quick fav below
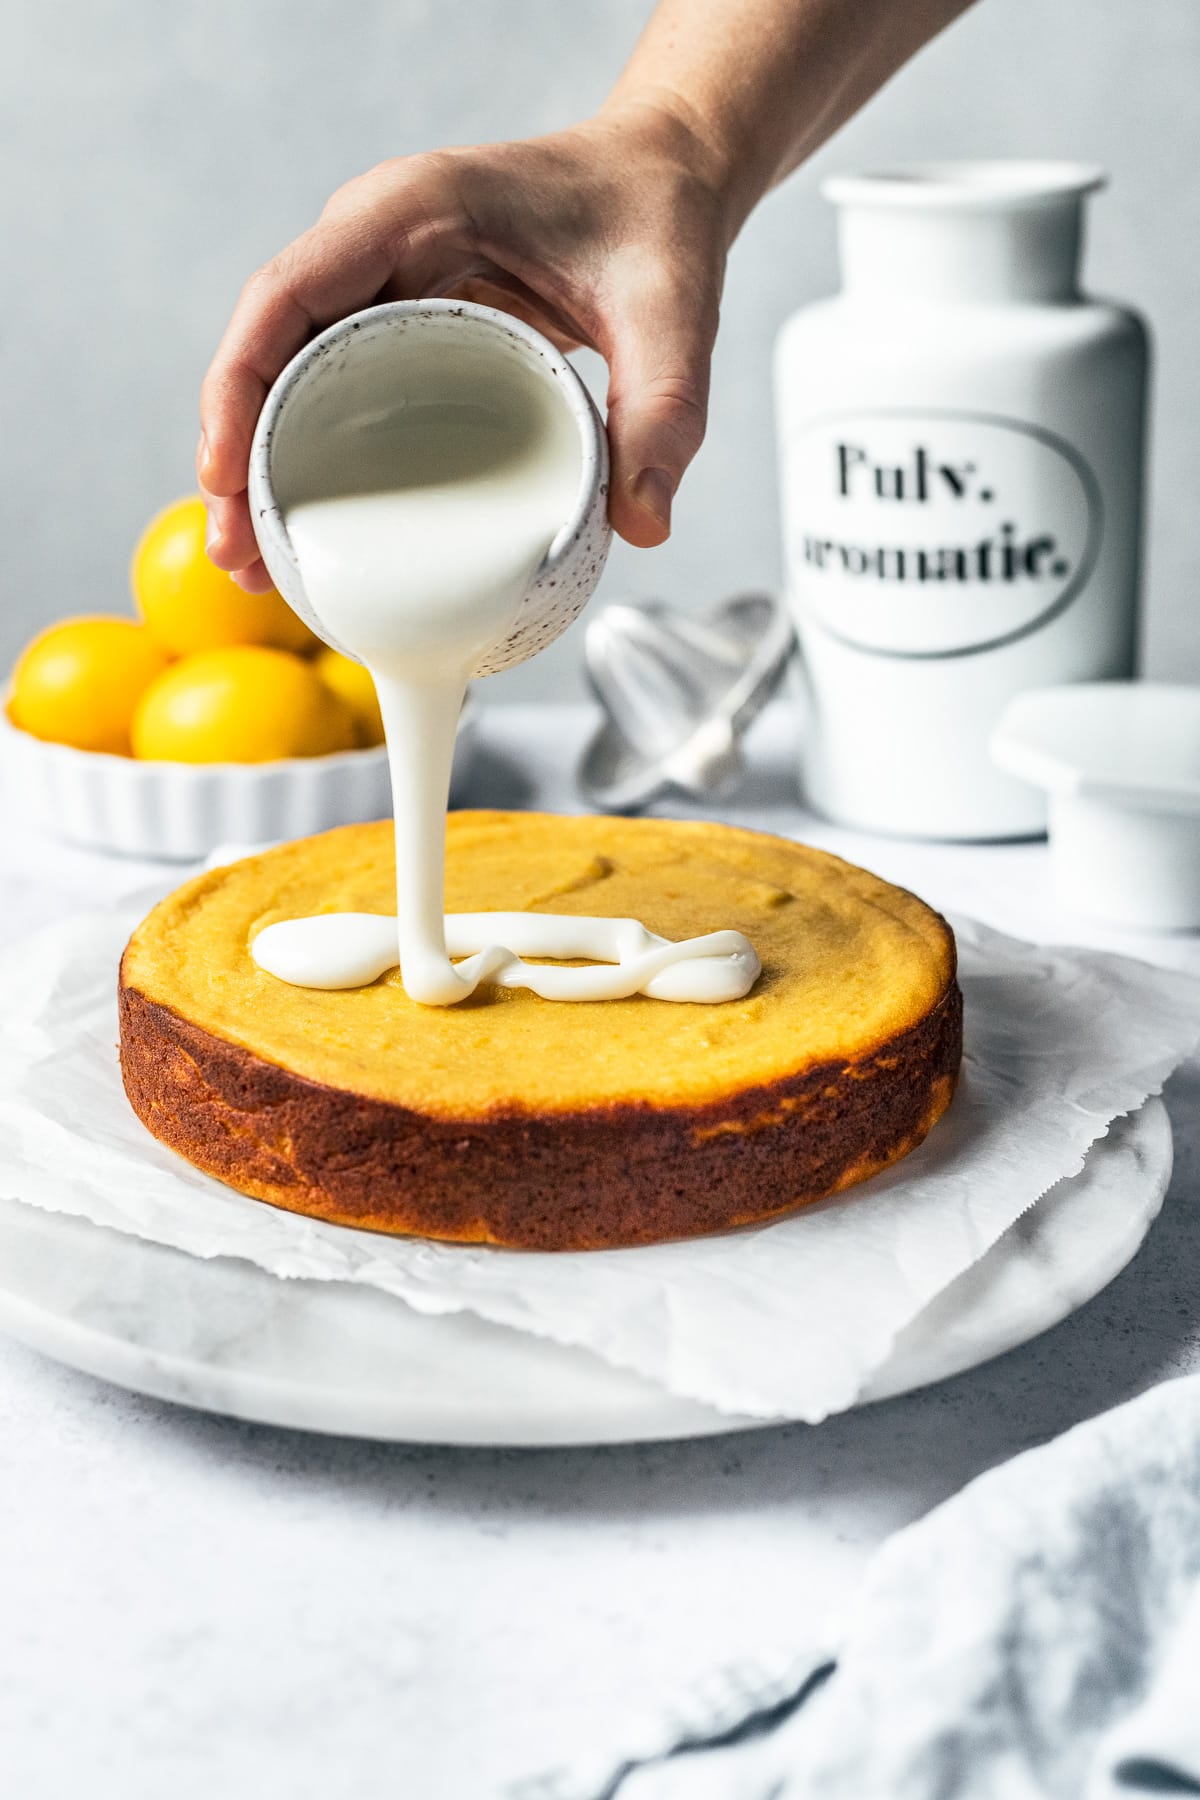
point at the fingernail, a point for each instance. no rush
(212, 533)
(202, 452)
(654, 491)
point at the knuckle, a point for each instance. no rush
(213, 391)
(402, 177)
(264, 282)
(437, 188)
(346, 198)
(365, 189)
(432, 164)
(275, 287)
(399, 198)
(677, 406)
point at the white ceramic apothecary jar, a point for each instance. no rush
(961, 456)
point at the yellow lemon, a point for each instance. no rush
(189, 604)
(353, 684)
(79, 681)
(240, 704)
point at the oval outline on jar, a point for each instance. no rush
(1089, 485)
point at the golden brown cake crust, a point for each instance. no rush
(620, 1175)
(623, 1172)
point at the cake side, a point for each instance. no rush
(594, 1178)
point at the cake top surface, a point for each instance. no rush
(849, 962)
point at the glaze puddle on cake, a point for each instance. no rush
(416, 541)
(347, 950)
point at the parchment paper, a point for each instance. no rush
(787, 1320)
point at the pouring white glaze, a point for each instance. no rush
(417, 526)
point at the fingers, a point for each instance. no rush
(254, 578)
(658, 341)
(400, 220)
(327, 272)
(230, 542)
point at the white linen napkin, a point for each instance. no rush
(1036, 1636)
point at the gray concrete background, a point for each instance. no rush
(152, 155)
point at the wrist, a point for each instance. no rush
(665, 124)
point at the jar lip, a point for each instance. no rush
(1000, 185)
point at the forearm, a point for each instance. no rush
(760, 84)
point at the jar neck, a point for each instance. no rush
(992, 256)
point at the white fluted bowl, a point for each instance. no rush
(181, 811)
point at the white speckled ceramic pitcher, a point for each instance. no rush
(406, 329)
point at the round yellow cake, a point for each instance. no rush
(539, 1124)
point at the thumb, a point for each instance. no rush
(659, 350)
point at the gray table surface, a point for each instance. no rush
(195, 1606)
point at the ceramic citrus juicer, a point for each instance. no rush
(394, 343)
(679, 691)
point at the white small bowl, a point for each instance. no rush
(1120, 764)
(181, 811)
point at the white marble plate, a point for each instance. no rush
(227, 1337)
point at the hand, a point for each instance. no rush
(612, 234)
